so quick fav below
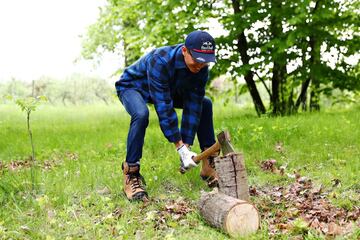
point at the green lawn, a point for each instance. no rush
(79, 180)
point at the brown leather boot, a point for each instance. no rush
(208, 172)
(134, 184)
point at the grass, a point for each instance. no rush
(80, 195)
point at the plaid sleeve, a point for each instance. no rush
(191, 115)
(158, 77)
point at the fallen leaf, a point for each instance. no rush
(315, 224)
(139, 235)
(117, 213)
(18, 165)
(283, 226)
(269, 165)
(25, 228)
(72, 156)
(297, 175)
(282, 170)
(334, 229)
(103, 191)
(336, 182)
(302, 179)
(252, 191)
(303, 200)
(279, 147)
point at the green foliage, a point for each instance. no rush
(281, 42)
(134, 27)
(300, 226)
(30, 104)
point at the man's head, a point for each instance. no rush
(199, 50)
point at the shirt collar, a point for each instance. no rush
(179, 58)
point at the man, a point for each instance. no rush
(169, 77)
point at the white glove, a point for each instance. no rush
(186, 157)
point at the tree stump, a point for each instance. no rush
(232, 176)
(236, 217)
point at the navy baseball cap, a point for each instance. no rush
(202, 46)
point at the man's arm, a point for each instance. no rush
(191, 115)
(158, 77)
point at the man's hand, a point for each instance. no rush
(186, 158)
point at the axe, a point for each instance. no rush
(223, 143)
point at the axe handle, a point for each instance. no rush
(208, 152)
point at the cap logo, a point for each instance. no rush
(207, 46)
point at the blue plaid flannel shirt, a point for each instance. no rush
(162, 75)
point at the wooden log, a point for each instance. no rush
(234, 216)
(232, 176)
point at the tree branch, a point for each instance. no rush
(262, 80)
(302, 95)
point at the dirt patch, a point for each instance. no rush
(18, 165)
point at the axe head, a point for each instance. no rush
(224, 139)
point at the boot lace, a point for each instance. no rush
(136, 182)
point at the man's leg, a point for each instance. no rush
(206, 137)
(205, 131)
(139, 112)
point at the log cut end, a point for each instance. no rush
(242, 220)
(236, 217)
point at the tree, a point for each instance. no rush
(134, 27)
(279, 44)
(28, 105)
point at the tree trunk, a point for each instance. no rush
(63, 98)
(302, 96)
(305, 85)
(236, 217)
(33, 160)
(279, 90)
(315, 84)
(290, 103)
(102, 98)
(275, 84)
(249, 76)
(315, 98)
(314, 61)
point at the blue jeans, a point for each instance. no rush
(139, 112)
